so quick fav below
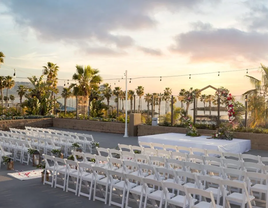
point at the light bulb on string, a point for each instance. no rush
(246, 71)
(190, 76)
(14, 75)
(67, 81)
(160, 78)
(219, 73)
(129, 80)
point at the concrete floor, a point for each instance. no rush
(32, 194)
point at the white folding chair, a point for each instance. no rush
(199, 159)
(60, 173)
(194, 168)
(242, 198)
(254, 167)
(157, 195)
(134, 188)
(258, 185)
(163, 153)
(149, 152)
(89, 158)
(86, 180)
(235, 164)
(78, 156)
(213, 171)
(102, 161)
(73, 174)
(187, 179)
(214, 153)
(145, 144)
(147, 171)
(231, 156)
(180, 199)
(213, 161)
(157, 146)
(211, 184)
(203, 196)
(49, 167)
(101, 183)
(166, 175)
(233, 174)
(117, 188)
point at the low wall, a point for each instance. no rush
(87, 125)
(258, 141)
(21, 123)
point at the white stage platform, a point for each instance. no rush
(233, 146)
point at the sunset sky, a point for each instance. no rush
(146, 37)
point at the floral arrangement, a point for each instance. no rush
(224, 132)
(190, 128)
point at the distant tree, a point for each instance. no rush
(12, 98)
(9, 83)
(21, 92)
(1, 57)
(116, 92)
(167, 96)
(203, 99)
(160, 98)
(2, 86)
(131, 97)
(148, 100)
(107, 93)
(66, 93)
(188, 97)
(140, 93)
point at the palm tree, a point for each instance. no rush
(9, 83)
(148, 99)
(1, 57)
(12, 98)
(203, 99)
(116, 92)
(122, 96)
(130, 97)
(160, 98)
(154, 102)
(107, 93)
(167, 96)
(2, 86)
(140, 93)
(188, 97)
(209, 99)
(87, 79)
(66, 93)
(21, 92)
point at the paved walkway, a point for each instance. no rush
(32, 194)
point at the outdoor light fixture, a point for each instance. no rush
(129, 80)
(14, 75)
(160, 78)
(219, 73)
(67, 81)
(189, 76)
(36, 158)
(246, 71)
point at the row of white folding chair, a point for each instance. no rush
(103, 177)
(61, 132)
(17, 147)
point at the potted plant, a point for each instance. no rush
(9, 162)
(36, 156)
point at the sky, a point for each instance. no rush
(150, 39)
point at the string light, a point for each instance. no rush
(129, 80)
(219, 73)
(246, 71)
(160, 78)
(14, 75)
(190, 76)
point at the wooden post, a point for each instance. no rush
(171, 110)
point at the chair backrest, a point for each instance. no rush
(103, 151)
(164, 174)
(256, 178)
(115, 176)
(179, 156)
(184, 149)
(232, 156)
(114, 153)
(196, 159)
(151, 183)
(85, 167)
(198, 151)
(149, 151)
(254, 167)
(70, 164)
(78, 155)
(251, 158)
(172, 148)
(264, 160)
(184, 177)
(141, 158)
(136, 149)
(60, 162)
(130, 166)
(124, 147)
(49, 160)
(233, 174)
(127, 155)
(133, 179)
(88, 157)
(163, 153)
(115, 163)
(228, 184)
(157, 146)
(173, 186)
(157, 161)
(145, 170)
(99, 171)
(194, 167)
(235, 164)
(213, 161)
(101, 160)
(145, 144)
(175, 164)
(202, 195)
(205, 180)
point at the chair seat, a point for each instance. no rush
(204, 204)
(237, 197)
(259, 188)
(74, 173)
(178, 200)
(120, 185)
(213, 190)
(88, 176)
(157, 195)
(189, 185)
